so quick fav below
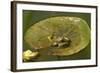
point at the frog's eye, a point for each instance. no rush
(50, 38)
(59, 39)
(67, 40)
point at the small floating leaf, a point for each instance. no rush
(28, 54)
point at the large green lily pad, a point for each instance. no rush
(45, 33)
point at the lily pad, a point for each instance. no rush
(62, 35)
